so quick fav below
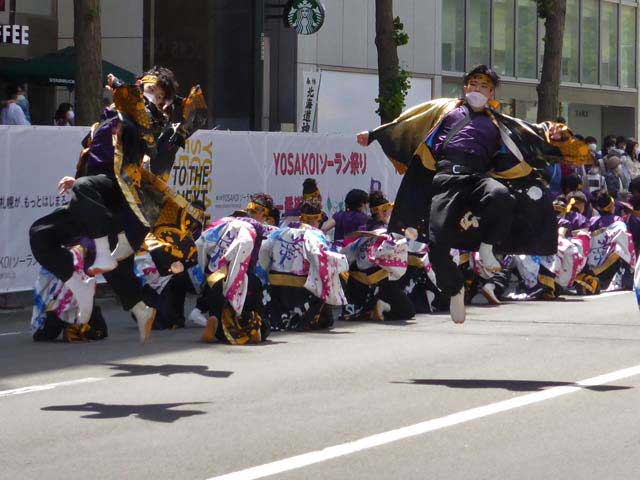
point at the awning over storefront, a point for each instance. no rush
(57, 68)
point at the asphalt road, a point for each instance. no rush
(494, 398)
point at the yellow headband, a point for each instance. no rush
(310, 217)
(559, 207)
(382, 208)
(149, 79)
(256, 207)
(316, 193)
(610, 207)
(483, 77)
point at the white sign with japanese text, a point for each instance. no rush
(217, 169)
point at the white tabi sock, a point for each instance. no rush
(489, 261)
(457, 307)
(83, 291)
(104, 262)
(123, 249)
(144, 318)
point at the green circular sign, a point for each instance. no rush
(305, 16)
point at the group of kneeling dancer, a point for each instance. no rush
(472, 214)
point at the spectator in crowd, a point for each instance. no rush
(631, 158)
(592, 143)
(23, 102)
(619, 150)
(608, 143)
(612, 175)
(11, 113)
(64, 116)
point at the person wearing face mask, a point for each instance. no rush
(117, 204)
(472, 179)
(10, 111)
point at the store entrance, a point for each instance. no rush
(213, 43)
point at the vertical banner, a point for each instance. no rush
(308, 120)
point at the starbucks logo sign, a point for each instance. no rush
(305, 16)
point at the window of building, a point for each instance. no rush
(571, 42)
(453, 35)
(526, 35)
(609, 44)
(503, 31)
(589, 41)
(479, 29)
(627, 46)
(452, 88)
(34, 7)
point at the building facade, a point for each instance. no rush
(599, 90)
(252, 67)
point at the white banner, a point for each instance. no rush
(219, 169)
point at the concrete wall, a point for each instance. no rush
(586, 119)
(618, 121)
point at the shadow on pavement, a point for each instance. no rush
(511, 385)
(159, 412)
(133, 370)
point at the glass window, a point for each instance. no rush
(609, 46)
(571, 47)
(479, 26)
(503, 27)
(590, 41)
(627, 46)
(453, 35)
(452, 88)
(34, 7)
(526, 36)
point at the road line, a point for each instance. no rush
(606, 295)
(50, 386)
(318, 456)
(11, 333)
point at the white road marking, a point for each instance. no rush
(11, 333)
(50, 386)
(391, 436)
(606, 294)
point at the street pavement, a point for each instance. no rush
(424, 399)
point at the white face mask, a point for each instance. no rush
(21, 97)
(150, 96)
(637, 150)
(476, 100)
(71, 116)
(592, 147)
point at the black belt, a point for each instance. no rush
(451, 168)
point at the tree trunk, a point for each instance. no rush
(388, 63)
(549, 86)
(87, 38)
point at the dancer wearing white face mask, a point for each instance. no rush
(471, 180)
